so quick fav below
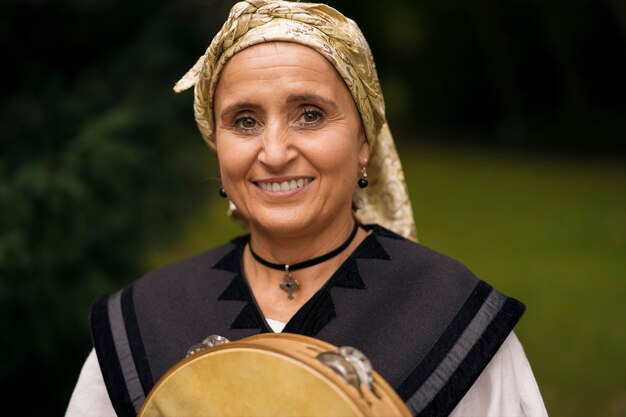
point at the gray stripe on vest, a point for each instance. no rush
(441, 375)
(122, 347)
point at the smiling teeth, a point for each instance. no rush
(284, 186)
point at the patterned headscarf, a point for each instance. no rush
(385, 201)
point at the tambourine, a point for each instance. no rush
(272, 374)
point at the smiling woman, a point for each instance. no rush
(300, 125)
(287, 95)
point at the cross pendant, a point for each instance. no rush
(290, 285)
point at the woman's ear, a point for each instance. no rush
(364, 149)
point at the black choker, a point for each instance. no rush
(291, 284)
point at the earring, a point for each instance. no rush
(223, 192)
(363, 182)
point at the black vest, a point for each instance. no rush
(426, 323)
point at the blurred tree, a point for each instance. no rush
(520, 73)
(98, 158)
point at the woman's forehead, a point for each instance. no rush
(277, 48)
(283, 67)
(270, 57)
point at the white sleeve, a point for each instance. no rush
(90, 397)
(506, 387)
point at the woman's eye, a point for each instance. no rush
(245, 123)
(311, 116)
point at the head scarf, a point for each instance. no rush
(385, 201)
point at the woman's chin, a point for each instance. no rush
(280, 225)
(287, 221)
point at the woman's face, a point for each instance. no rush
(289, 139)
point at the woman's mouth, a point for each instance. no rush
(284, 185)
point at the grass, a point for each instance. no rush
(548, 230)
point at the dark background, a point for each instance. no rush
(99, 159)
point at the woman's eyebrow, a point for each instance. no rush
(238, 107)
(312, 98)
(297, 98)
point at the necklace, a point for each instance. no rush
(290, 284)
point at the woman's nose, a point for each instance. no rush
(277, 149)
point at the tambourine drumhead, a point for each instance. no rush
(266, 375)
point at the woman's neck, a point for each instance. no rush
(291, 248)
(265, 282)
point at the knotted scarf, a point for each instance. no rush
(385, 201)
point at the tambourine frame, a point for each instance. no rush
(300, 353)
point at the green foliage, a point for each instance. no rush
(96, 163)
(516, 73)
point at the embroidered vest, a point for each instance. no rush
(426, 323)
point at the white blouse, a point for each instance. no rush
(506, 387)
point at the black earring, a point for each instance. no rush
(363, 182)
(223, 192)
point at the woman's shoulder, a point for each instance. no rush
(198, 264)
(419, 258)
(206, 273)
(419, 270)
(181, 279)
